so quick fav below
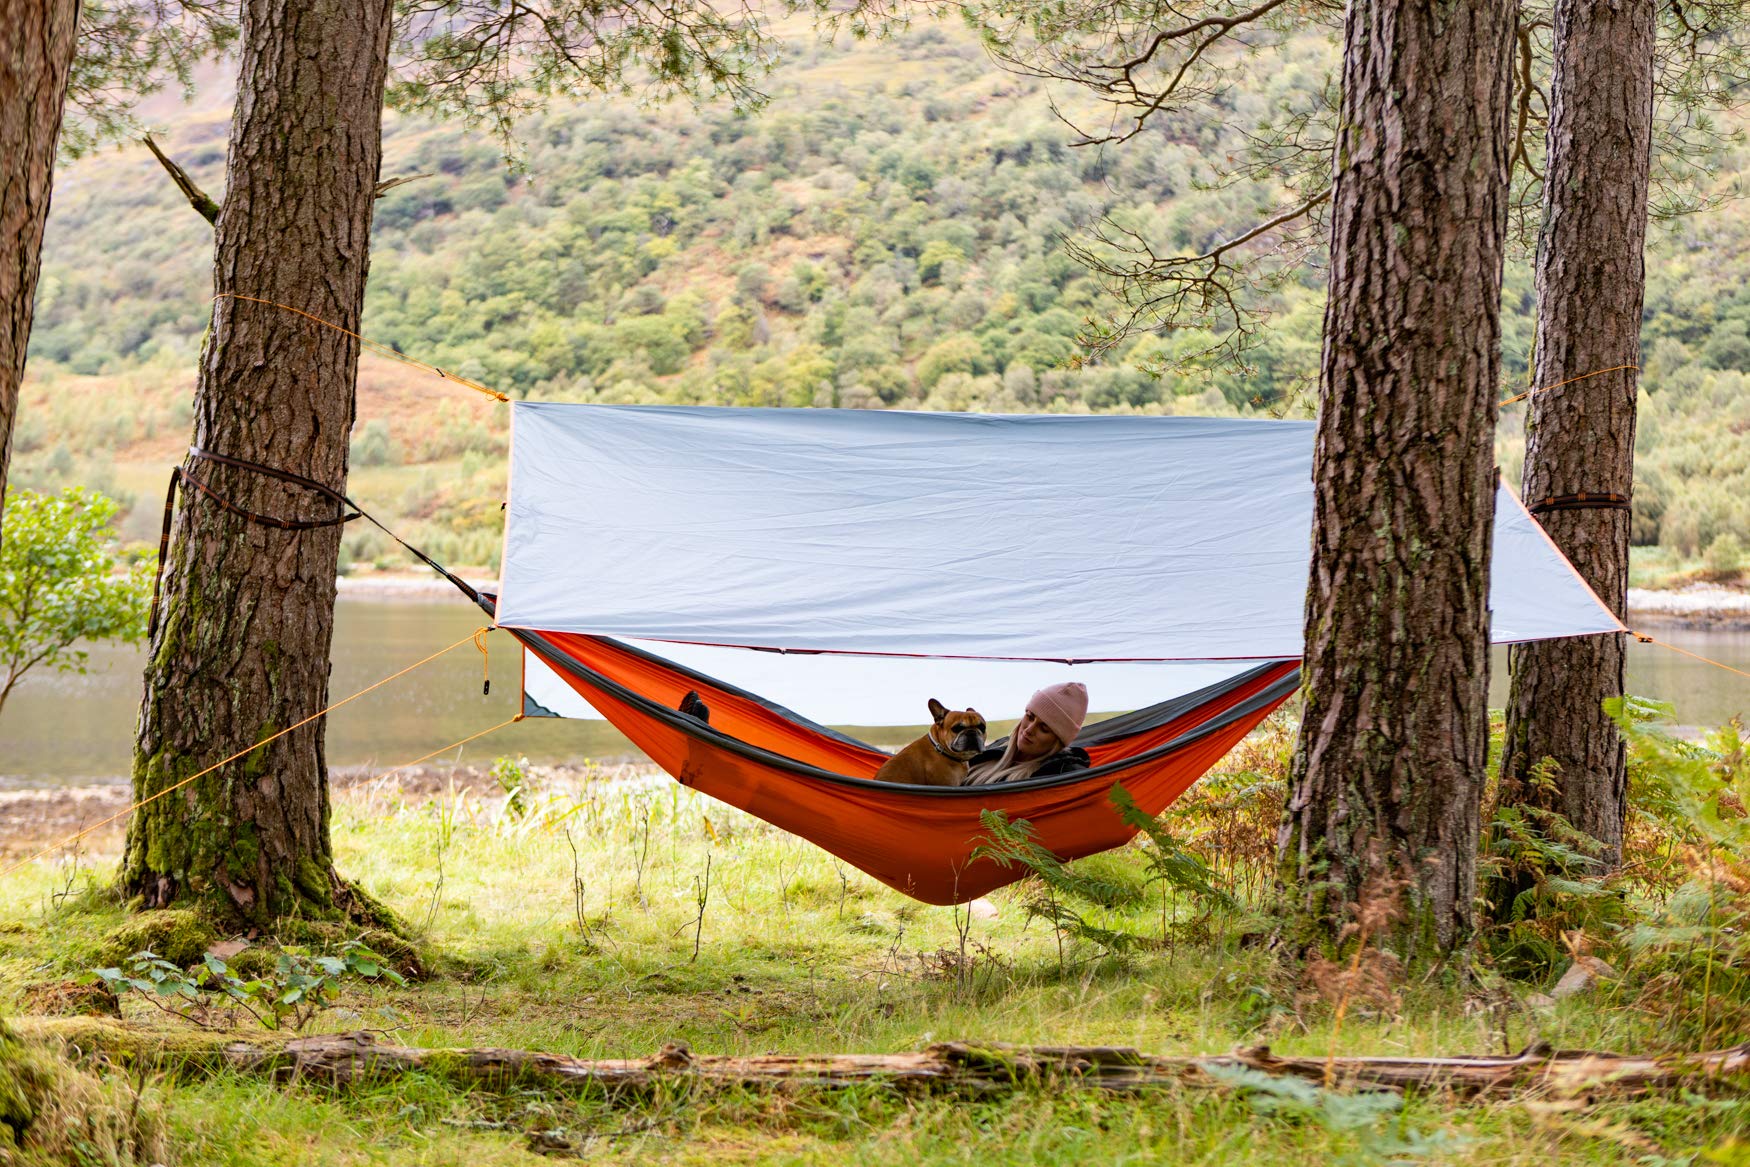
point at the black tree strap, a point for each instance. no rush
(1585, 500)
(310, 484)
(346, 511)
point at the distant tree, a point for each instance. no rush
(957, 353)
(1174, 65)
(1725, 555)
(937, 259)
(1387, 774)
(59, 584)
(1580, 434)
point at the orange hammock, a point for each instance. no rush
(814, 782)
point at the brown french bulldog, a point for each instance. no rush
(939, 757)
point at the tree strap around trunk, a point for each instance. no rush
(346, 511)
(1585, 500)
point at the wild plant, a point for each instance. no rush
(1368, 975)
(1376, 1119)
(586, 927)
(1173, 865)
(1229, 819)
(1548, 872)
(1060, 887)
(300, 986)
(512, 776)
(1690, 957)
(702, 900)
(447, 811)
(1057, 887)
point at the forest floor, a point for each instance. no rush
(577, 927)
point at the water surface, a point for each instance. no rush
(65, 729)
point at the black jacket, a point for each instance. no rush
(1066, 761)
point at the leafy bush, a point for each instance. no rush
(1689, 956)
(1725, 555)
(372, 446)
(60, 584)
(300, 986)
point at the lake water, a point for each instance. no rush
(62, 729)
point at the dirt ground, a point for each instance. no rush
(32, 819)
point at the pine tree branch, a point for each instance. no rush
(197, 198)
(389, 184)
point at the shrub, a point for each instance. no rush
(1725, 555)
(372, 446)
(59, 585)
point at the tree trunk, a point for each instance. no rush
(1388, 769)
(242, 650)
(1580, 438)
(36, 55)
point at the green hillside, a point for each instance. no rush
(885, 234)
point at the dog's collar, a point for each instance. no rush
(947, 753)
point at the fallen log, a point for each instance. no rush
(961, 1067)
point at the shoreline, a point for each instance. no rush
(1702, 607)
(397, 586)
(35, 816)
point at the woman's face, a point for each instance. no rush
(1034, 739)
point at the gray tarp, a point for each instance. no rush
(1040, 537)
(1043, 538)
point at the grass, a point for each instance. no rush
(594, 956)
(1663, 568)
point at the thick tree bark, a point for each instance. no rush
(242, 650)
(1388, 769)
(1580, 437)
(36, 55)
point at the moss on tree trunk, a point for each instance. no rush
(243, 649)
(1580, 437)
(1388, 769)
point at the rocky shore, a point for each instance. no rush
(1707, 606)
(383, 585)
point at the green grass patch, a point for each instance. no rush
(589, 952)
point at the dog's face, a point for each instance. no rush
(959, 732)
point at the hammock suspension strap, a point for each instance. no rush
(1585, 500)
(347, 510)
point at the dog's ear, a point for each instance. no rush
(938, 710)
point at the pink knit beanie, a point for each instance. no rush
(1062, 708)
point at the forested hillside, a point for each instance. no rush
(885, 234)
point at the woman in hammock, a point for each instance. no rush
(1039, 747)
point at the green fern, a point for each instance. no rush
(1168, 860)
(1013, 843)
